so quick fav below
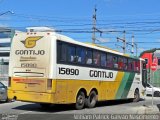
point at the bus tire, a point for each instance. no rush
(136, 96)
(91, 100)
(80, 100)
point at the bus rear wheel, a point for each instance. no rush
(80, 100)
(91, 100)
(136, 96)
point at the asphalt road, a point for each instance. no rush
(32, 111)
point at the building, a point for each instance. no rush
(5, 41)
(152, 56)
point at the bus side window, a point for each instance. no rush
(125, 64)
(89, 57)
(80, 54)
(62, 51)
(103, 60)
(96, 58)
(109, 61)
(120, 63)
(130, 65)
(137, 66)
(115, 62)
(71, 54)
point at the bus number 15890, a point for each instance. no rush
(68, 71)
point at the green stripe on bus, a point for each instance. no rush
(122, 86)
(128, 85)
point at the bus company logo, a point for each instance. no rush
(30, 42)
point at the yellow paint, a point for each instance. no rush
(118, 81)
(30, 42)
(29, 84)
(63, 91)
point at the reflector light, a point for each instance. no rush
(49, 84)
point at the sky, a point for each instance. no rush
(138, 18)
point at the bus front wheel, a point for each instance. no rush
(80, 100)
(91, 100)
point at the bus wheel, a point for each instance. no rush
(136, 96)
(80, 100)
(91, 100)
(45, 105)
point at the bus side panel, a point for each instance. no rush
(135, 85)
(118, 81)
(127, 88)
(60, 95)
(107, 90)
(67, 90)
(122, 86)
(74, 86)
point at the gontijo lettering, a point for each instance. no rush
(100, 74)
(29, 52)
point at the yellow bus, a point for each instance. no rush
(49, 68)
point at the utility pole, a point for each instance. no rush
(134, 45)
(124, 41)
(136, 48)
(94, 26)
(131, 44)
(132, 51)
